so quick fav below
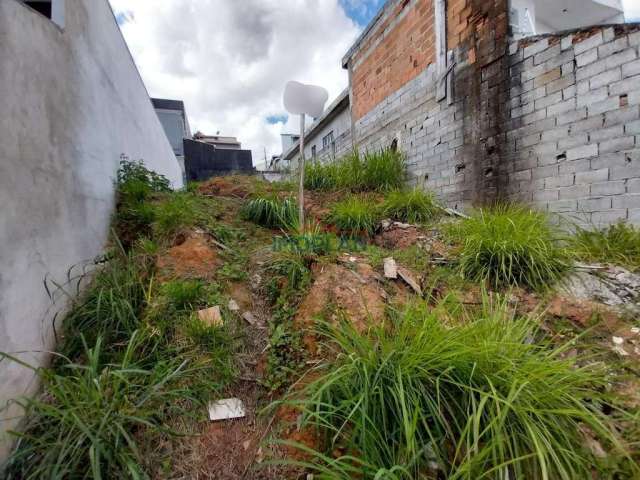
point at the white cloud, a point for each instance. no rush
(632, 10)
(229, 59)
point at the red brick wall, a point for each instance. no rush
(407, 49)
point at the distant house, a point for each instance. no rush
(173, 118)
(327, 138)
(207, 156)
(229, 143)
(536, 17)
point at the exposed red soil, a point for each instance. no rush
(234, 186)
(583, 312)
(397, 237)
(193, 258)
(354, 290)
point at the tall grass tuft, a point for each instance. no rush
(508, 245)
(356, 215)
(417, 398)
(618, 243)
(272, 212)
(413, 206)
(90, 420)
(379, 171)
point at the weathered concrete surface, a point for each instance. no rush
(72, 104)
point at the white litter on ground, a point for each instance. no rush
(226, 409)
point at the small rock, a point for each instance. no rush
(246, 444)
(402, 226)
(226, 409)
(635, 330)
(250, 318)
(411, 281)
(390, 268)
(620, 351)
(618, 340)
(233, 306)
(256, 280)
(211, 316)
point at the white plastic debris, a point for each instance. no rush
(635, 330)
(226, 409)
(233, 306)
(390, 268)
(618, 340)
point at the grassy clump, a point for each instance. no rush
(135, 185)
(272, 212)
(618, 243)
(416, 396)
(412, 206)
(90, 423)
(510, 245)
(380, 171)
(355, 216)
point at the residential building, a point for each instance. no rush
(173, 118)
(74, 106)
(229, 143)
(328, 136)
(483, 112)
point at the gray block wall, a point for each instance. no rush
(553, 122)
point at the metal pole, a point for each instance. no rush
(301, 167)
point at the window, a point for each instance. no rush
(52, 9)
(327, 140)
(313, 152)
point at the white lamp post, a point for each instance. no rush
(301, 99)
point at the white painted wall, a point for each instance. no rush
(72, 104)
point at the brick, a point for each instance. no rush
(528, 141)
(547, 77)
(569, 92)
(520, 176)
(632, 128)
(561, 83)
(574, 166)
(591, 70)
(559, 181)
(608, 188)
(632, 185)
(617, 144)
(536, 47)
(592, 97)
(574, 192)
(533, 95)
(609, 34)
(625, 86)
(634, 215)
(591, 42)
(622, 115)
(582, 86)
(566, 42)
(599, 219)
(548, 100)
(592, 176)
(544, 172)
(545, 195)
(613, 47)
(634, 39)
(630, 69)
(555, 134)
(572, 116)
(532, 73)
(573, 141)
(547, 54)
(562, 107)
(594, 204)
(625, 172)
(604, 106)
(605, 78)
(628, 200)
(621, 58)
(587, 57)
(582, 152)
(586, 125)
(563, 206)
(634, 98)
(604, 134)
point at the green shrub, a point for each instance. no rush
(272, 212)
(179, 211)
(183, 294)
(512, 245)
(355, 216)
(380, 171)
(90, 421)
(134, 214)
(477, 400)
(618, 243)
(413, 206)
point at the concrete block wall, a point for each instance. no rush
(573, 132)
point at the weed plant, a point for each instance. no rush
(418, 398)
(272, 212)
(355, 216)
(618, 244)
(90, 421)
(508, 245)
(412, 206)
(379, 171)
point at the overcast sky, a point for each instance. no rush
(230, 59)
